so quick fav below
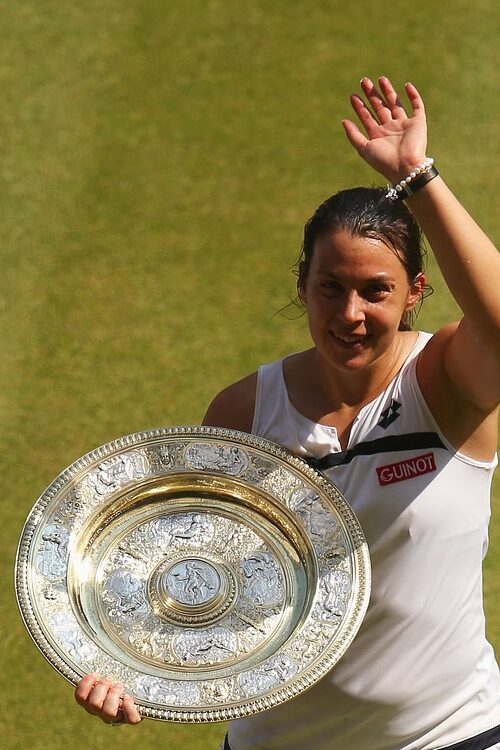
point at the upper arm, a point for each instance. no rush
(459, 378)
(233, 407)
(472, 365)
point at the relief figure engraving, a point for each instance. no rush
(167, 692)
(210, 646)
(194, 527)
(192, 582)
(53, 553)
(278, 669)
(262, 579)
(125, 592)
(228, 459)
(335, 586)
(75, 642)
(116, 471)
(307, 505)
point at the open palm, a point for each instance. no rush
(394, 142)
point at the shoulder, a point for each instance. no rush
(439, 341)
(234, 406)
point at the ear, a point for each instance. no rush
(416, 292)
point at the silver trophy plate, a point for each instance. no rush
(212, 572)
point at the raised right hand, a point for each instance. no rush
(395, 142)
(101, 697)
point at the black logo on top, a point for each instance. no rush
(390, 414)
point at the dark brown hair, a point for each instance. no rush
(367, 212)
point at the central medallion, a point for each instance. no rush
(192, 590)
(191, 581)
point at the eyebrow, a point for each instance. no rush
(382, 276)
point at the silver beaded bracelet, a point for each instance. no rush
(403, 189)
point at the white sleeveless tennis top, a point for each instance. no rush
(420, 674)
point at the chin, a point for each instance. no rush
(351, 358)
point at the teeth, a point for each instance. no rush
(350, 339)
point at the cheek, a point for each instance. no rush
(319, 308)
(317, 321)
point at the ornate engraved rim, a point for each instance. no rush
(359, 558)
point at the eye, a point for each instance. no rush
(376, 292)
(331, 287)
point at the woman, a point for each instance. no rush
(404, 423)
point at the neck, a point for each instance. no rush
(340, 389)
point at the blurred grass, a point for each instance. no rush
(158, 162)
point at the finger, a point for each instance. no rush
(366, 118)
(416, 101)
(97, 696)
(130, 713)
(354, 135)
(377, 102)
(111, 707)
(391, 97)
(84, 687)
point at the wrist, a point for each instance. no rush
(416, 179)
(405, 168)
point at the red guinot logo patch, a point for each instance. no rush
(407, 469)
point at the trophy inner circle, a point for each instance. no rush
(188, 575)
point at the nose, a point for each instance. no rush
(351, 308)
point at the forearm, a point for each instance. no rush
(469, 261)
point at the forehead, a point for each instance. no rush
(342, 253)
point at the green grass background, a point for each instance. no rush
(158, 161)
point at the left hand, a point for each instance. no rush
(395, 143)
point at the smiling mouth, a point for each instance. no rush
(349, 341)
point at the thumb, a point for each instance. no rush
(354, 135)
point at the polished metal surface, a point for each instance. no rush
(210, 571)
